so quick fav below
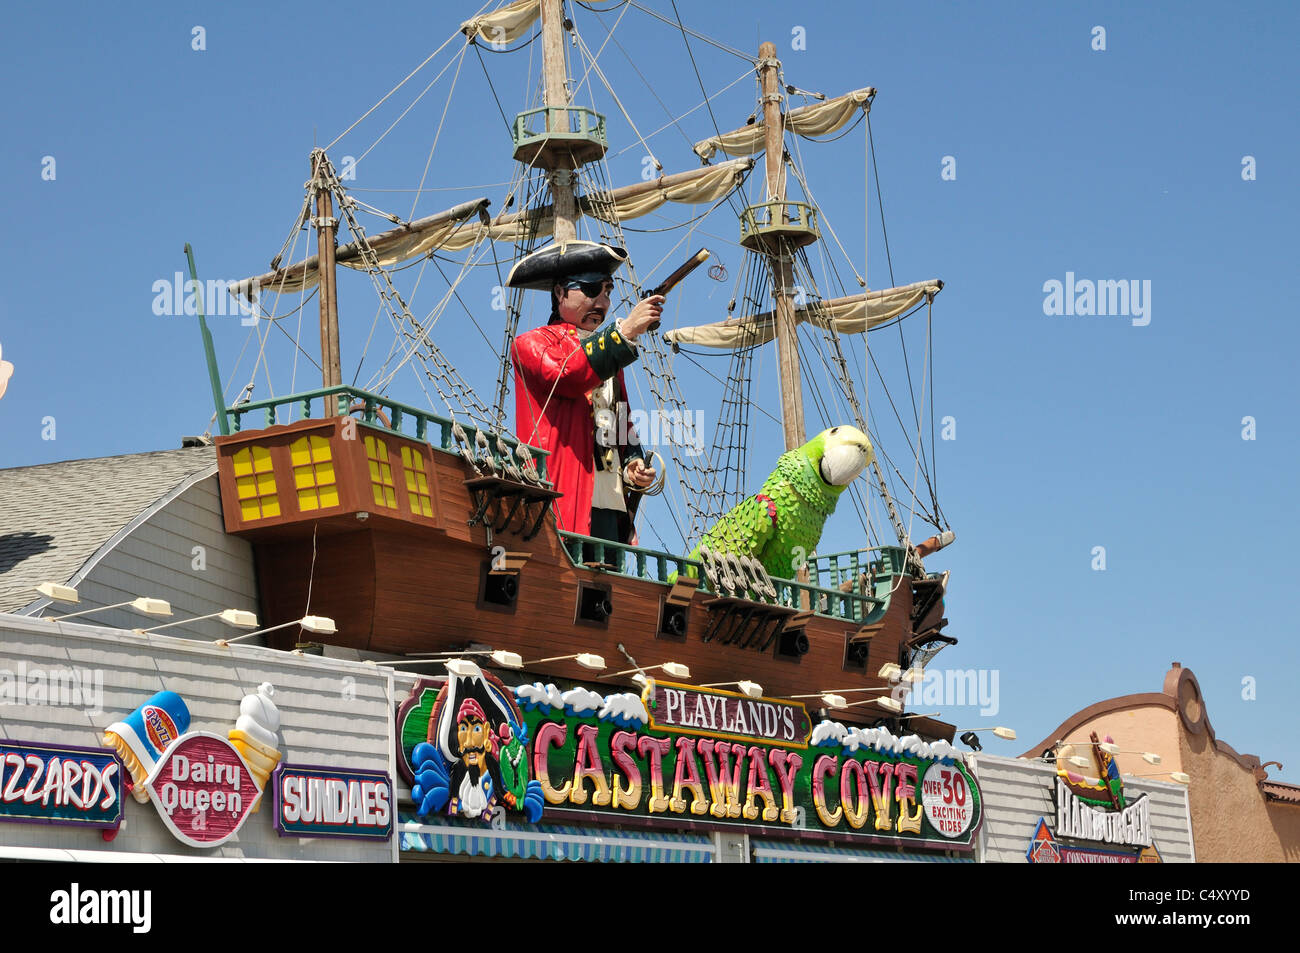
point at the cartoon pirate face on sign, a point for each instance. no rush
(475, 758)
(473, 735)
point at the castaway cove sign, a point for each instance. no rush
(675, 754)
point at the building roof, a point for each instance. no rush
(1181, 694)
(57, 516)
(1278, 791)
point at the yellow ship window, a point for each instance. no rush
(313, 473)
(255, 484)
(381, 473)
(417, 482)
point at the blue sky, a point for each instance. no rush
(1071, 432)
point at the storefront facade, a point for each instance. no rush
(1031, 819)
(122, 745)
(199, 712)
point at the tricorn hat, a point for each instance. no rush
(588, 261)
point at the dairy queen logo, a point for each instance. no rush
(203, 789)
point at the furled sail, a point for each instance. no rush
(851, 315)
(397, 245)
(450, 231)
(818, 119)
(709, 184)
(507, 24)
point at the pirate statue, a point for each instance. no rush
(570, 399)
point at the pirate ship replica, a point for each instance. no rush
(427, 529)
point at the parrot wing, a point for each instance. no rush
(745, 529)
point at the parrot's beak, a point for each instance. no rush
(843, 463)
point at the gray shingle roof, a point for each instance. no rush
(55, 516)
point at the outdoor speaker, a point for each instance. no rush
(501, 589)
(856, 653)
(793, 643)
(594, 605)
(672, 621)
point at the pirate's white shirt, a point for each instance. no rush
(607, 485)
(473, 799)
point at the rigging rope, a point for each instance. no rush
(699, 36)
(403, 323)
(386, 96)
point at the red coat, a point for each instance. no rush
(554, 379)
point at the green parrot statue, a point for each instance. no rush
(782, 523)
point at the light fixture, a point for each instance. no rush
(503, 658)
(1109, 747)
(890, 671)
(847, 691)
(1006, 734)
(913, 675)
(834, 697)
(1177, 776)
(752, 689)
(319, 624)
(675, 669)
(461, 667)
(144, 604)
(1150, 757)
(57, 593)
(887, 702)
(1079, 762)
(586, 659)
(312, 623)
(917, 714)
(235, 618)
(972, 741)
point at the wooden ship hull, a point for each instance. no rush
(394, 540)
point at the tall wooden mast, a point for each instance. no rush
(326, 228)
(556, 96)
(779, 253)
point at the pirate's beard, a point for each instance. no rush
(479, 765)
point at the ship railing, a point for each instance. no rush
(833, 569)
(836, 603)
(652, 564)
(383, 412)
(638, 562)
(569, 121)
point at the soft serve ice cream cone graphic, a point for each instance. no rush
(254, 734)
(6, 371)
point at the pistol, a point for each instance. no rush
(671, 282)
